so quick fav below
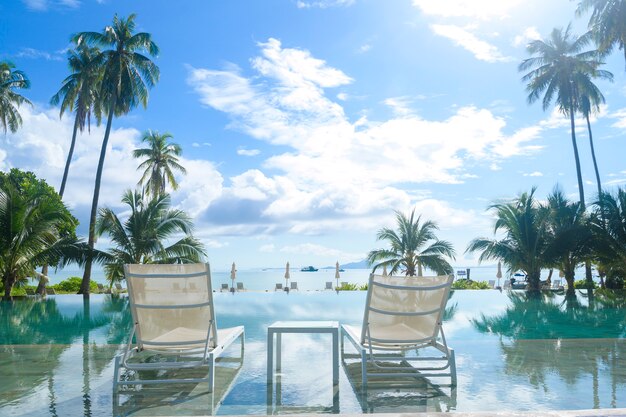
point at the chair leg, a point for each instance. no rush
(211, 372)
(452, 361)
(363, 369)
(116, 372)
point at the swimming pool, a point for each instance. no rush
(513, 353)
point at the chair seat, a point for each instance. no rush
(394, 332)
(181, 334)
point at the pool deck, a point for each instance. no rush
(615, 412)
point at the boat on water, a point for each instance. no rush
(308, 269)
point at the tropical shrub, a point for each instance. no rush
(347, 286)
(468, 284)
(582, 284)
(408, 252)
(72, 285)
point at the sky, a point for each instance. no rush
(305, 123)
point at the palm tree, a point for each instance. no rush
(126, 77)
(29, 235)
(407, 248)
(556, 71)
(608, 23)
(11, 80)
(590, 99)
(160, 162)
(570, 235)
(609, 226)
(142, 237)
(523, 247)
(79, 94)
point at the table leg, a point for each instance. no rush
(336, 357)
(270, 356)
(278, 351)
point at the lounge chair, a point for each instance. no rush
(329, 285)
(294, 285)
(103, 290)
(224, 288)
(402, 314)
(240, 286)
(492, 283)
(507, 284)
(279, 287)
(556, 284)
(167, 325)
(50, 291)
(119, 288)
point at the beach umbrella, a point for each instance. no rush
(337, 272)
(384, 270)
(499, 273)
(287, 276)
(233, 275)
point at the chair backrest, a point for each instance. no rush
(279, 286)
(492, 283)
(157, 312)
(329, 285)
(240, 285)
(224, 286)
(294, 285)
(402, 309)
(556, 283)
(118, 286)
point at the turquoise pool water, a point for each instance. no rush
(513, 353)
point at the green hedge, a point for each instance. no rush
(468, 284)
(582, 284)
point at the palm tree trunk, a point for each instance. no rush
(8, 282)
(84, 286)
(593, 157)
(69, 158)
(533, 280)
(581, 190)
(41, 287)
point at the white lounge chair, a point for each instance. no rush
(556, 284)
(240, 286)
(294, 285)
(507, 284)
(279, 287)
(181, 326)
(492, 283)
(329, 285)
(402, 314)
(118, 287)
(224, 287)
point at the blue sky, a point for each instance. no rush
(304, 124)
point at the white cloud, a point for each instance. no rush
(364, 48)
(342, 96)
(42, 5)
(530, 34)
(319, 250)
(323, 4)
(534, 174)
(248, 152)
(335, 172)
(480, 9)
(37, 54)
(482, 50)
(400, 105)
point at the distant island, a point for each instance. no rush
(352, 265)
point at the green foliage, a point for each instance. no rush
(468, 284)
(72, 285)
(347, 286)
(143, 238)
(363, 287)
(407, 252)
(11, 80)
(582, 284)
(160, 162)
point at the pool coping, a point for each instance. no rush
(616, 412)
